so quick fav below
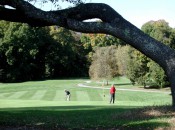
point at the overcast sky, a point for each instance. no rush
(139, 12)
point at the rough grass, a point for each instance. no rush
(88, 117)
(153, 117)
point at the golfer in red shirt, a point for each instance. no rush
(112, 92)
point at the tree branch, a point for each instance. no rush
(90, 11)
(25, 12)
(18, 16)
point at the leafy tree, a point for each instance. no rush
(104, 63)
(122, 55)
(65, 57)
(22, 48)
(99, 40)
(147, 70)
(35, 53)
(137, 67)
(93, 41)
(112, 23)
(157, 75)
(3, 64)
(161, 31)
(172, 38)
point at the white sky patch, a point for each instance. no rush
(138, 12)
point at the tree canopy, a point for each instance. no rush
(28, 53)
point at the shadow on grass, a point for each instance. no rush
(87, 117)
(124, 84)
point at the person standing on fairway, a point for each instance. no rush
(112, 93)
(67, 95)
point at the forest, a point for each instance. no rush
(37, 53)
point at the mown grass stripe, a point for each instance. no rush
(38, 94)
(59, 96)
(105, 95)
(28, 95)
(49, 95)
(17, 95)
(8, 95)
(82, 96)
(3, 95)
(95, 95)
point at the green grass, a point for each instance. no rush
(42, 104)
(118, 82)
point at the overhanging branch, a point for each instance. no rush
(26, 13)
(89, 11)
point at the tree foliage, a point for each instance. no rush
(92, 41)
(36, 53)
(104, 63)
(66, 57)
(145, 70)
(109, 62)
(21, 47)
(137, 67)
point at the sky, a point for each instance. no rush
(138, 12)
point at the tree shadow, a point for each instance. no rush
(87, 117)
(123, 84)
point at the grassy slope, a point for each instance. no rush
(42, 104)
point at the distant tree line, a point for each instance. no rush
(28, 53)
(111, 61)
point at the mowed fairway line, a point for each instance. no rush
(17, 95)
(73, 95)
(105, 97)
(59, 96)
(82, 96)
(38, 95)
(28, 95)
(4, 95)
(49, 95)
(95, 95)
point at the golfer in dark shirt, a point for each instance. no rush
(67, 95)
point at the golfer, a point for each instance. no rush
(112, 93)
(67, 95)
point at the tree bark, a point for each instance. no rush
(171, 76)
(112, 23)
(172, 81)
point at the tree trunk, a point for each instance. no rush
(171, 77)
(173, 92)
